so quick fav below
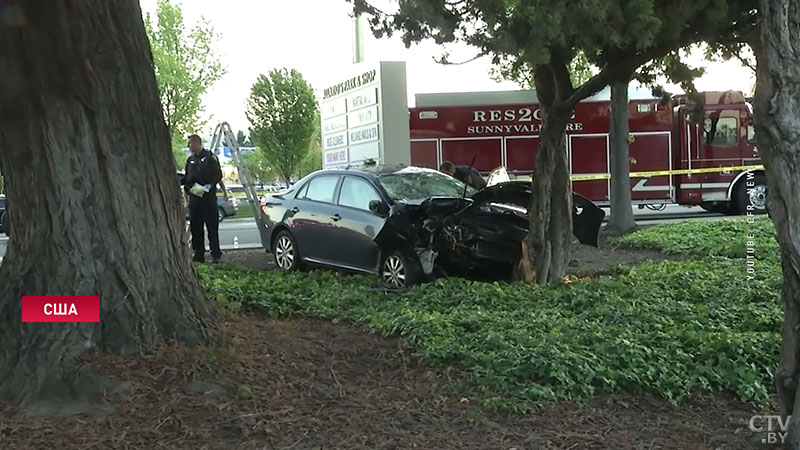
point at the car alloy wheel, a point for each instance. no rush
(393, 272)
(284, 252)
(220, 215)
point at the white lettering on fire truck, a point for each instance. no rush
(510, 115)
(520, 129)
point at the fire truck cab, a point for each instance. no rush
(672, 159)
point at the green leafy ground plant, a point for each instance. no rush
(670, 328)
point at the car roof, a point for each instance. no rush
(377, 170)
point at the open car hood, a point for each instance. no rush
(587, 218)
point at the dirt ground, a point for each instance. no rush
(307, 384)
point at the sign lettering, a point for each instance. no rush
(350, 84)
(334, 125)
(335, 157)
(365, 134)
(510, 115)
(520, 129)
(363, 117)
(361, 99)
(335, 140)
(333, 108)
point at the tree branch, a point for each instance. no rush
(610, 74)
(561, 76)
(443, 60)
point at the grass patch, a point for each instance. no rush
(243, 211)
(726, 237)
(671, 328)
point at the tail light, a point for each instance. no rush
(234, 201)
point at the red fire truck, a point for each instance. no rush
(713, 164)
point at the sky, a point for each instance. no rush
(257, 36)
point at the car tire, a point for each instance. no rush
(220, 214)
(284, 252)
(398, 270)
(757, 196)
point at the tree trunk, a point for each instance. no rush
(621, 220)
(550, 214)
(85, 149)
(777, 101)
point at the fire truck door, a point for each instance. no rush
(718, 146)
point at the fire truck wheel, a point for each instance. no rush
(755, 195)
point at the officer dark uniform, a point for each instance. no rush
(466, 174)
(203, 168)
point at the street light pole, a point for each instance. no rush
(358, 39)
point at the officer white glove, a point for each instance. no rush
(197, 190)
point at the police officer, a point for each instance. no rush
(467, 175)
(202, 174)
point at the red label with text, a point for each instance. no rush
(58, 308)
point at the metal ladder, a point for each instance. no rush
(223, 129)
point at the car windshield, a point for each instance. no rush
(417, 185)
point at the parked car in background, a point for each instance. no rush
(406, 224)
(4, 227)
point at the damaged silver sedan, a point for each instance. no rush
(406, 224)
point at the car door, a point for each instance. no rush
(311, 218)
(357, 225)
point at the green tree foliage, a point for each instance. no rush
(518, 71)
(186, 66)
(313, 160)
(283, 111)
(256, 163)
(547, 35)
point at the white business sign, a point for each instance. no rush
(365, 116)
(335, 124)
(335, 140)
(362, 117)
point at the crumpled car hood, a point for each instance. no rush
(587, 218)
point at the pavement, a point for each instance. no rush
(230, 229)
(248, 237)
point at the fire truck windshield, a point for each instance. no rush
(422, 185)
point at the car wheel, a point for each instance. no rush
(284, 252)
(398, 271)
(220, 214)
(755, 195)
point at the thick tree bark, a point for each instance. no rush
(777, 102)
(550, 214)
(621, 220)
(88, 166)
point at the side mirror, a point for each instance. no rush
(378, 207)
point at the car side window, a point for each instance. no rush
(321, 189)
(302, 192)
(357, 193)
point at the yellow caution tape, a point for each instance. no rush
(659, 173)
